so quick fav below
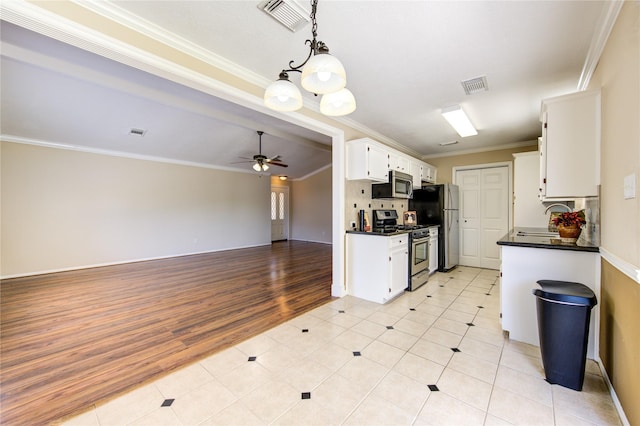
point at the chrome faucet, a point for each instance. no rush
(569, 209)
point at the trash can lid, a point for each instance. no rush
(566, 292)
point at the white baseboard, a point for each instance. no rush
(614, 396)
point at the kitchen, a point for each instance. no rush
(615, 238)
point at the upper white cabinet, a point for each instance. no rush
(366, 159)
(570, 146)
(398, 162)
(371, 160)
(421, 172)
(528, 211)
(416, 171)
(428, 173)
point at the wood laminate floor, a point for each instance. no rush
(70, 339)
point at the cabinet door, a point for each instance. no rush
(571, 136)
(398, 162)
(378, 163)
(542, 150)
(416, 171)
(399, 260)
(433, 255)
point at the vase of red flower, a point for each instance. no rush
(569, 225)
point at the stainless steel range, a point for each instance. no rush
(418, 257)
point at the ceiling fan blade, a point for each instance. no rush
(272, 163)
(244, 161)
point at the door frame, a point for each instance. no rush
(509, 165)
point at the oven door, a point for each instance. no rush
(419, 255)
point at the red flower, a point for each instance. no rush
(570, 218)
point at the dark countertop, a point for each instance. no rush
(545, 242)
(387, 234)
(380, 234)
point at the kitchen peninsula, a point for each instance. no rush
(532, 254)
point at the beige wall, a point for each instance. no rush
(446, 164)
(311, 212)
(618, 77)
(66, 209)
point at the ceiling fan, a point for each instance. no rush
(261, 162)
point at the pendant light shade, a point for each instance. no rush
(339, 103)
(323, 74)
(283, 95)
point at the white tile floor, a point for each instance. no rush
(367, 364)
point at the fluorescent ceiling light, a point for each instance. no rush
(459, 121)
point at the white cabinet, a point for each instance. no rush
(398, 162)
(377, 266)
(421, 172)
(428, 173)
(416, 170)
(528, 211)
(433, 249)
(570, 146)
(371, 160)
(522, 267)
(367, 160)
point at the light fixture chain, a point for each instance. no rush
(314, 23)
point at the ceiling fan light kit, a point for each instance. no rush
(259, 166)
(457, 118)
(322, 74)
(260, 161)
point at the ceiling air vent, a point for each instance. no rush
(137, 132)
(475, 85)
(288, 12)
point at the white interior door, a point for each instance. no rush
(469, 183)
(484, 214)
(279, 213)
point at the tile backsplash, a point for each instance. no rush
(358, 197)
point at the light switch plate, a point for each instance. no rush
(630, 186)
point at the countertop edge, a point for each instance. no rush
(512, 239)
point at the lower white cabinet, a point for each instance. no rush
(433, 249)
(522, 267)
(377, 266)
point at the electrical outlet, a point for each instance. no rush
(630, 186)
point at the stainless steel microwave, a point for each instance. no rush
(400, 185)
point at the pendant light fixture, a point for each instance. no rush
(322, 74)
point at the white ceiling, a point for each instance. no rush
(404, 60)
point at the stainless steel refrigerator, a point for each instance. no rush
(438, 205)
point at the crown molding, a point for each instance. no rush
(123, 17)
(480, 150)
(606, 21)
(114, 153)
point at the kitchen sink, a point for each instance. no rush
(537, 234)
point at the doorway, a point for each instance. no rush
(485, 214)
(279, 213)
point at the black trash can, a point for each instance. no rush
(564, 311)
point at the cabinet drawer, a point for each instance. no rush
(399, 241)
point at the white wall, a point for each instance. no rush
(65, 209)
(311, 211)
